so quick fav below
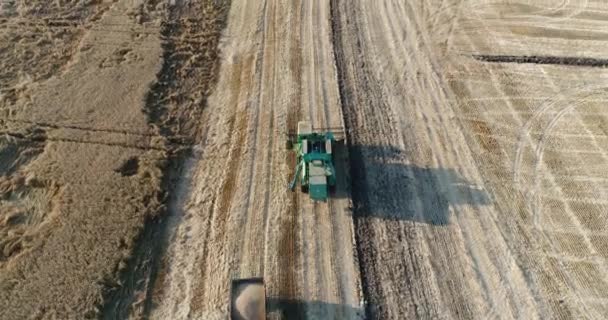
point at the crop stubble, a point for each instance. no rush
(302, 249)
(83, 166)
(476, 161)
(456, 107)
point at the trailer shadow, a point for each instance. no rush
(384, 187)
(300, 309)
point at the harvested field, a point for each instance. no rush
(142, 159)
(92, 136)
(240, 220)
(492, 202)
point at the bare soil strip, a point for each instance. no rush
(565, 61)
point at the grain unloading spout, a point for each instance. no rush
(248, 299)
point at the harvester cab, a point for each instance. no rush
(315, 169)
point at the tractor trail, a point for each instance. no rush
(304, 250)
(142, 165)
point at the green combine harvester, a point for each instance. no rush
(315, 163)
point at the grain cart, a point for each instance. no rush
(248, 299)
(315, 161)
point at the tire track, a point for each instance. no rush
(485, 274)
(492, 264)
(287, 252)
(517, 172)
(255, 228)
(311, 248)
(238, 245)
(378, 121)
(537, 191)
(289, 255)
(219, 215)
(311, 213)
(534, 204)
(536, 294)
(303, 269)
(323, 217)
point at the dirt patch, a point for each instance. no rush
(485, 137)
(129, 167)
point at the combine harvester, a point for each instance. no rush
(315, 168)
(317, 175)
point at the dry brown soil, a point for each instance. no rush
(479, 187)
(92, 125)
(142, 160)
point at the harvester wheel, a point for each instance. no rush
(288, 144)
(304, 189)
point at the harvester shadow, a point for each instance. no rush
(300, 309)
(384, 187)
(341, 190)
